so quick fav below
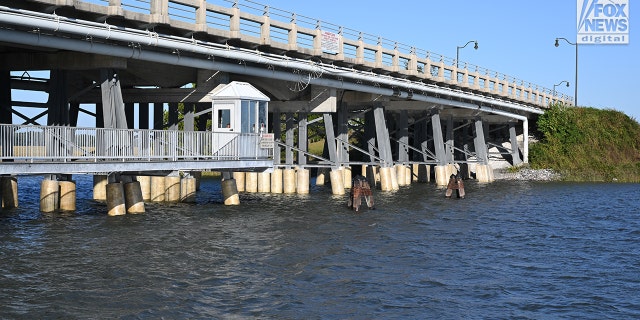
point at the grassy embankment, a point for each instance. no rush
(588, 144)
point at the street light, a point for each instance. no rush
(575, 83)
(555, 85)
(458, 51)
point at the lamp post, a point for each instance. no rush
(575, 83)
(555, 85)
(458, 51)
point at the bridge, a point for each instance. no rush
(397, 110)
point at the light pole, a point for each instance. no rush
(575, 83)
(555, 85)
(458, 51)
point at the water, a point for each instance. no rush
(510, 250)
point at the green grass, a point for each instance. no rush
(316, 147)
(588, 144)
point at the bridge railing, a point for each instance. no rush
(64, 144)
(266, 26)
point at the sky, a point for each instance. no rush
(514, 37)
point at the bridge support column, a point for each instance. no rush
(251, 182)
(172, 188)
(276, 181)
(408, 175)
(386, 178)
(157, 189)
(229, 190)
(240, 181)
(188, 189)
(302, 181)
(337, 179)
(264, 182)
(49, 195)
(289, 180)
(100, 187)
(67, 195)
(403, 173)
(394, 179)
(515, 152)
(346, 176)
(115, 199)
(484, 173)
(9, 188)
(402, 134)
(133, 197)
(400, 174)
(442, 178)
(321, 177)
(441, 175)
(449, 143)
(145, 187)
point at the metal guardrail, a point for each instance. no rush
(65, 144)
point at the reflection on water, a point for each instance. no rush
(509, 250)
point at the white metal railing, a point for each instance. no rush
(64, 144)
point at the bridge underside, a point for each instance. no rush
(360, 121)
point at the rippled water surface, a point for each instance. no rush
(510, 250)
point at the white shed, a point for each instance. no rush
(239, 107)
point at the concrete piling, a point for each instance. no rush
(49, 195)
(100, 187)
(157, 189)
(67, 196)
(394, 179)
(133, 197)
(188, 189)
(441, 175)
(9, 187)
(289, 181)
(408, 176)
(321, 176)
(264, 182)
(276, 181)
(337, 179)
(385, 179)
(230, 192)
(251, 182)
(115, 199)
(302, 181)
(346, 174)
(145, 187)
(172, 188)
(240, 181)
(400, 174)
(484, 173)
